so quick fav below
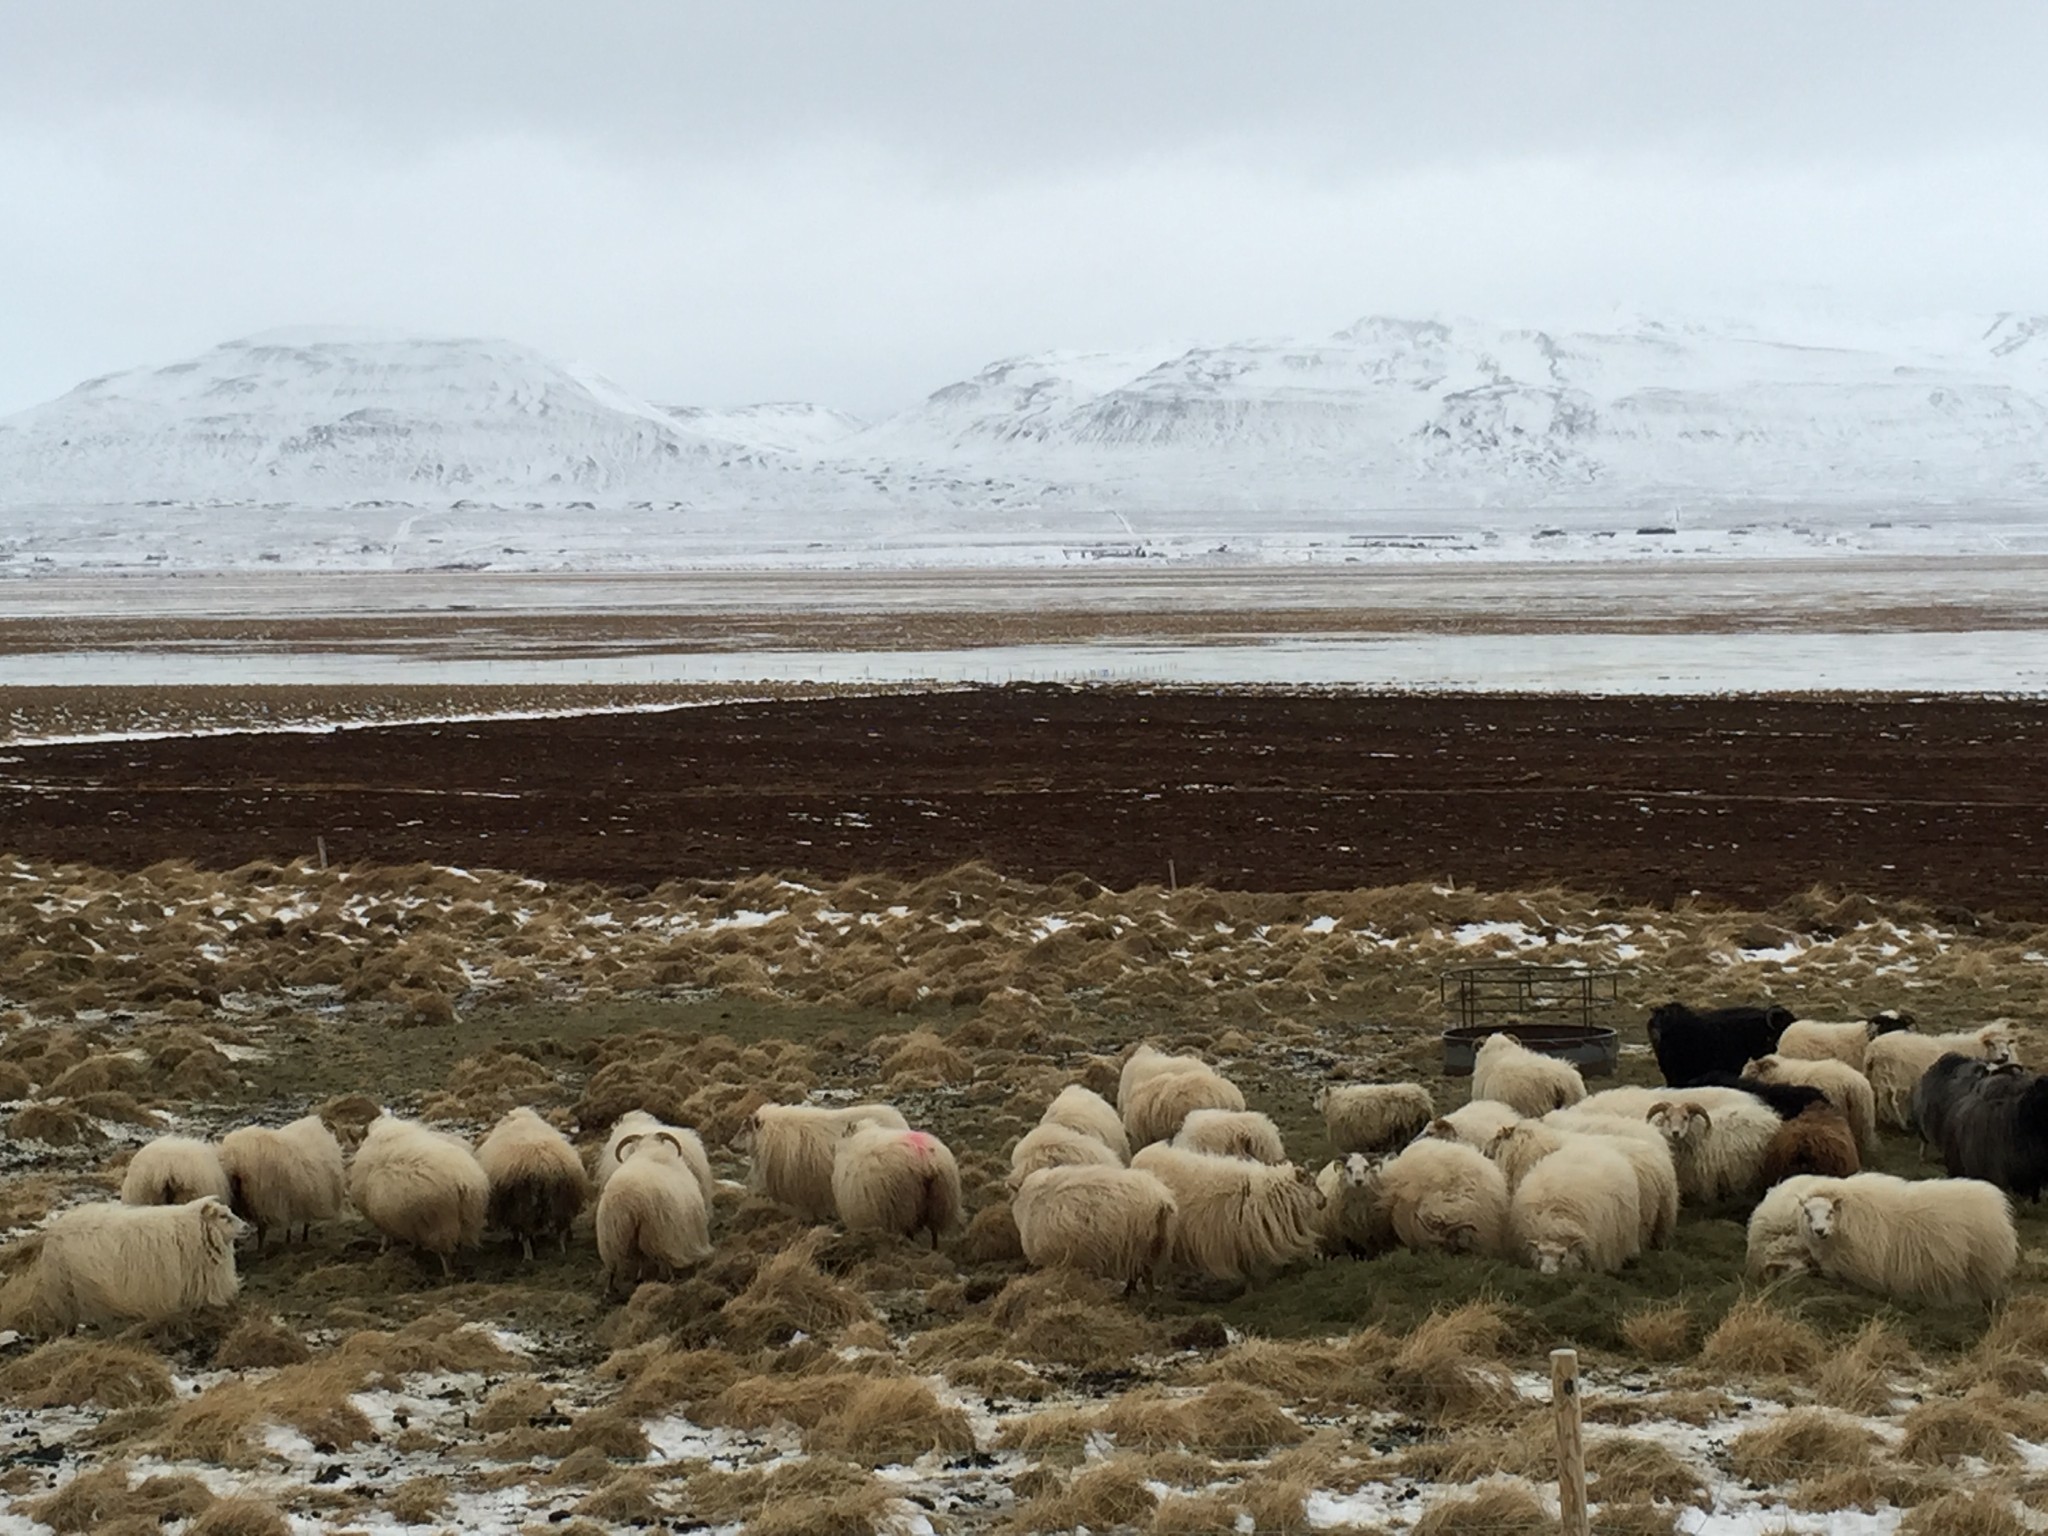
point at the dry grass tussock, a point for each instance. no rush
(1945, 1429)
(1332, 1372)
(1965, 1514)
(789, 1295)
(1661, 1332)
(1504, 1508)
(1059, 1317)
(820, 1496)
(101, 1496)
(241, 1517)
(1755, 1340)
(1449, 1372)
(1862, 1378)
(1807, 1442)
(1632, 1469)
(1102, 1497)
(1229, 1419)
(70, 1373)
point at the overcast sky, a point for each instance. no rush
(856, 201)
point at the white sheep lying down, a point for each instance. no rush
(1057, 1146)
(1896, 1062)
(420, 1186)
(791, 1148)
(1231, 1133)
(108, 1263)
(1238, 1220)
(1577, 1209)
(1084, 1110)
(1776, 1245)
(290, 1176)
(638, 1122)
(1374, 1117)
(1915, 1239)
(1528, 1081)
(1356, 1221)
(1847, 1089)
(174, 1170)
(1446, 1195)
(1474, 1124)
(652, 1217)
(886, 1179)
(1520, 1148)
(1105, 1220)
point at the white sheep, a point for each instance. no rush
(1356, 1222)
(1895, 1062)
(790, 1148)
(1577, 1209)
(1085, 1110)
(107, 1263)
(652, 1217)
(1819, 1040)
(1846, 1088)
(420, 1186)
(290, 1176)
(538, 1186)
(1519, 1148)
(1057, 1146)
(174, 1170)
(1634, 1103)
(887, 1179)
(1776, 1244)
(1160, 1102)
(638, 1122)
(1447, 1195)
(1147, 1062)
(1374, 1117)
(1231, 1133)
(1913, 1239)
(1719, 1154)
(1238, 1220)
(1527, 1081)
(1475, 1124)
(1105, 1220)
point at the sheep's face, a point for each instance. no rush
(1360, 1171)
(1680, 1124)
(1549, 1257)
(748, 1136)
(1439, 1130)
(1322, 1097)
(1764, 1067)
(1817, 1216)
(221, 1225)
(1997, 1046)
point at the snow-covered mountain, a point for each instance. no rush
(1633, 411)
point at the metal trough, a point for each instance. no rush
(1592, 1048)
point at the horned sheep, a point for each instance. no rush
(1057, 1146)
(420, 1187)
(638, 1122)
(888, 1179)
(1231, 1133)
(290, 1176)
(1238, 1220)
(1577, 1209)
(1105, 1220)
(1847, 1089)
(107, 1263)
(174, 1170)
(1719, 1153)
(1527, 1081)
(1446, 1195)
(1896, 1062)
(1818, 1040)
(791, 1148)
(1160, 1102)
(1520, 1148)
(1356, 1222)
(538, 1185)
(652, 1217)
(1818, 1142)
(1374, 1117)
(1084, 1110)
(1914, 1239)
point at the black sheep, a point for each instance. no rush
(1690, 1045)
(1941, 1087)
(1998, 1132)
(1786, 1100)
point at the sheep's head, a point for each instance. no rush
(657, 1144)
(1360, 1171)
(1764, 1068)
(219, 1225)
(1495, 1043)
(1439, 1129)
(1818, 1214)
(1548, 1256)
(1680, 1123)
(1997, 1042)
(748, 1136)
(1888, 1020)
(1322, 1097)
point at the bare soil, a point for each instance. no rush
(1744, 801)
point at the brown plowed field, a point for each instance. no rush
(1744, 800)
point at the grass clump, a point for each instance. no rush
(1805, 1442)
(1110, 1494)
(1946, 1428)
(789, 1295)
(260, 1342)
(1660, 1333)
(417, 1500)
(1965, 1514)
(817, 1497)
(1229, 1419)
(1061, 1317)
(1448, 1372)
(1859, 1379)
(1632, 1469)
(70, 1374)
(891, 1419)
(96, 1499)
(1504, 1508)
(1755, 1339)
(241, 1517)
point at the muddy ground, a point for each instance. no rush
(1741, 800)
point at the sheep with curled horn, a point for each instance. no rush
(652, 1218)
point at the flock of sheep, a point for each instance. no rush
(1179, 1175)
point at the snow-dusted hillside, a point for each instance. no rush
(465, 450)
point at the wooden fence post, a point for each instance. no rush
(1571, 1445)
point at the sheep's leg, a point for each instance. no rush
(562, 1241)
(262, 1237)
(526, 1242)
(447, 1269)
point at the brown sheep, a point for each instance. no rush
(1816, 1141)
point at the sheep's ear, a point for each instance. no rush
(1442, 1129)
(626, 1145)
